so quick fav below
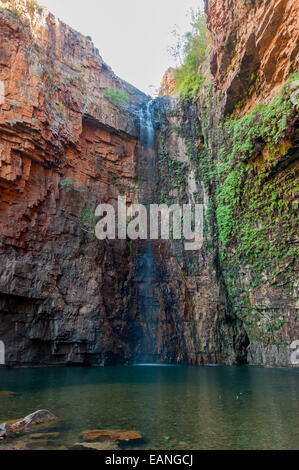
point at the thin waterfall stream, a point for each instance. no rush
(147, 271)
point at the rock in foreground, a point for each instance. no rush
(10, 428)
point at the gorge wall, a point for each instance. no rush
(66, 297)
(64, 148)
(248, 114)
(249, 126)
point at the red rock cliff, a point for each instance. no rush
(254, 48)
(241, 153)
(249, 123)
(64, 148)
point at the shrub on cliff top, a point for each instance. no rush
(190, 51)
(33, 7)
(30, 6)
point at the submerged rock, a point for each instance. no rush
(95, 446)
(7, 394)
(40, 444)
(10, 428)
(44, 435)
(111, 436)
(21, 446)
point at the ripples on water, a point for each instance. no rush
(173, 407)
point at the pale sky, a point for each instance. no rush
(132, 36)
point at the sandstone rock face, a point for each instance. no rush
(181, 313)
(168, 84)
(254, 54)
(240, 289)
(64, 148)
(254, 48)
(195, 322)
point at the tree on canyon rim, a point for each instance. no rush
(190, 52)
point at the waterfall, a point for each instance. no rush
(148, 157)
(146, 347)
(147, 131)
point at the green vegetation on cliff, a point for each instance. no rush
(31, 6)
(248, 167)
(255, 198)
(190, 52)
(257, 211)
(116, 96)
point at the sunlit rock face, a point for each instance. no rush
(254, 47)
(168, 84)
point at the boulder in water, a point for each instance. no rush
(111, 436)
(10, 428)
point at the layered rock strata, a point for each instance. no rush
(64, 148)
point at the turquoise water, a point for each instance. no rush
(172, 407)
